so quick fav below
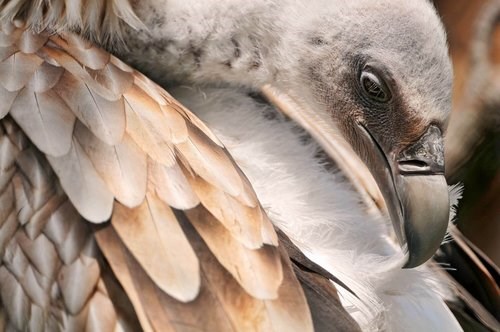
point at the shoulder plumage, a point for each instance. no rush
(99, 20)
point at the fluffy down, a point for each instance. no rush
(323, 214)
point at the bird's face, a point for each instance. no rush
(382, 77)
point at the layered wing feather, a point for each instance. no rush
(188, 241)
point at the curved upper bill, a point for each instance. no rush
(415, 191)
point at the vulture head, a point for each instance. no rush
(379, 73)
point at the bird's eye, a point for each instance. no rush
(374, 87)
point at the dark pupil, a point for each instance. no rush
(373, 88)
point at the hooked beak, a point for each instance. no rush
(415, 191)
(412, 183)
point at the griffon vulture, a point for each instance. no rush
(121, 209)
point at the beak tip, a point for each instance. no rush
(426, 217)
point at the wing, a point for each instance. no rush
(120, 208)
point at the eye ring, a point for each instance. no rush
(374, 87)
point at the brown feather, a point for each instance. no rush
(153, 236)
(210, 162)
(101, 314)
(115, 252)
(122, 166)
(6, 52)
(77, 282)
(192, 118)
(114, 78)
(59, 57)
(288, 312)
(244, 223)
(12, 293)
(151, 108)
(105, 118)
(45, 78)
(46, 120)
(82, 50)
(91, 196)
(142, 126)
(67, 231)
(30, 42)
(18, 69)
(7, 97)
(257, 271)
(171, 186)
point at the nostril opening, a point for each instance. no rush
(413, 163)
(414, 166)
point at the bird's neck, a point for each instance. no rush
(228, 42)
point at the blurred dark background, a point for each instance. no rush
(473, 138)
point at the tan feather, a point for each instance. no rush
(210, 162)
(41, 252)
(158, 315)
(46, 119)
(168, 125)
(176, 124)
(22, 203)
(124, 67)
(7, 97)
(192, 118)
(17, 70)
(162, 311)
(35, 287)
(40, 218)
(122, 166)
(7, 203)
(105, 118)
(15, 260)
(8, 229)
(45, 77)
(91, 196)
(9, 34)
(82, 50)
(153, 236)
(257, 271)
(12, 293)
(66, 230)
(288, 312)
(247, 195)
(38, 321)
(244, 223)
(77, 282)
(7, 51)
(30, 42)
(114, 78)
(115, 252)
(268, 233)
(101, 314)
(37, 174)
(141, 127)
(171, 185)
(61, 58)
(160, 96)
